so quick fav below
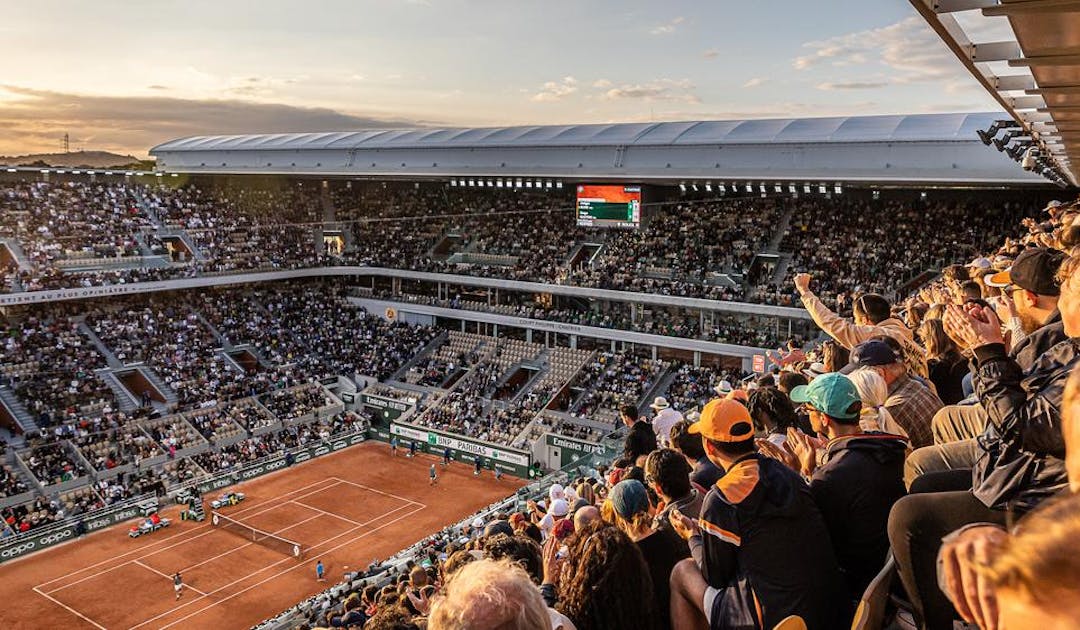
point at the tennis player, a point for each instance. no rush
(393, 445)
(178, 584)
(320, 571)
(434, 478)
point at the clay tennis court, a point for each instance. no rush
(346, 509)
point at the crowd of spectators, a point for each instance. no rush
(615, 380)
(804, 490)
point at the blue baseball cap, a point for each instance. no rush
(629, 497)
(832, 394)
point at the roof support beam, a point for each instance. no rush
(955, 6)
(1012, 82)
(1054, 89)
(1068, 59)
(993, 51)
(1028, 7)
(1026, 102)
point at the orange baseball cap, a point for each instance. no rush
(724, 420)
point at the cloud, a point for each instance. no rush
(753, 83)
(156, 87)
(602, 84)
(852, 85)
(909, 51)
(711, 53)
(658, 90)
(669, 28)
(556, 90)
(35, 119)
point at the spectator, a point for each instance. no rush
(603, 583)
(665, 418)
(858, 480)
(641, 438)
(773, 414)
(910, 402)
(668, 474)
(873, 392)
(873, 318)
(661, 548)
(758, 526)
(704, 472)
(946, 365)
(1020, 461)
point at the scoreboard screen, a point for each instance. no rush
(609, 206)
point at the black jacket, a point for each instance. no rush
(760, 519)
(1023, 451)
(855, 487)
(1050, 334)
(947, 373)
(640, 440)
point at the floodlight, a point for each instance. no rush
(708, 187)
(791, 188)
(806, 188)
(749, 187)
(682, 187)
(821, 188)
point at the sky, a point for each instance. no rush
(122, 76)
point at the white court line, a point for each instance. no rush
(280, 573)
(209, 531)
(253, 574)
(331, 514)
(375, 490)
(167, 576)
(69, 609)
(168, 538)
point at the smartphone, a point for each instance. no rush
(562, 552)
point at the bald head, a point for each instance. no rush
(584, 516)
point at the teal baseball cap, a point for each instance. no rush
(832, 394)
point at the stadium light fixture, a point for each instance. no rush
(791, 188)
(922, 195)
(987, 136)
(682, 187)
(528, 183)
(749, 187)
(498, 183)
(44, 171)
(761, 188)
(548, 184)
(558, 185)
(472, 182)
(778, 188)
(453, 182)
(517, 184)
(806, 188)
(837, 189)
(176, 174)
(708, 187)
(723, 189)
(12, 170)
(821, 188)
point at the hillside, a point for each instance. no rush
(75, 159)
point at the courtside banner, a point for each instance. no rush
(511, 461)
(570, 448)
(30, 542)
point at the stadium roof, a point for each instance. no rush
(921, 148)
(913, 128)
(1034, 72)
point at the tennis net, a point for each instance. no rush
(255, 535)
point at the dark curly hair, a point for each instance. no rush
(771, 409)
(521, 550)
(606, 582)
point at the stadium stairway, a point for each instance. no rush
(781, 228)
(125, 400)
(178, 233)
(226, 345)
(171, 399)
(659, 388)
(147, 209)
(14, 407)
(16, 251)
(110, 358)
(424, 354)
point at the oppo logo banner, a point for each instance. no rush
(303, 456)
(339, 445)
(18, 550)
(26, 546)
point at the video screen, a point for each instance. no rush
(609, 206)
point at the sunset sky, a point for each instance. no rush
(123, 76)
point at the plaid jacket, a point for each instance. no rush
(913, 406)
